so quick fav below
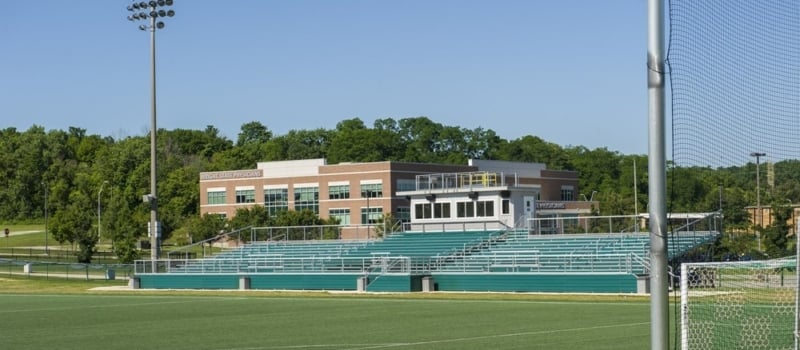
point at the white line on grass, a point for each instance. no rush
(439, 341)
(311, 346)
(507, 335)
(83, 307)
(367, 298)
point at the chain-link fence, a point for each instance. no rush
(48, 269)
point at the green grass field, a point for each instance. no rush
(46, 314)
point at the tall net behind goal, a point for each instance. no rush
(734, 85)
(738, 305)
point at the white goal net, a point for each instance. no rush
(739, 305)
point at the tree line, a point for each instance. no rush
(69, 167)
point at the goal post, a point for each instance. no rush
(739, 305)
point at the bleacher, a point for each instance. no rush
(338, 256)
(425, 244)
(456, 261)
(572, 253)
(474, 251)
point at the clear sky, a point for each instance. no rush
(569, 71)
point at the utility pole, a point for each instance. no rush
(760, 214)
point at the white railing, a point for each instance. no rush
(583, 224)
(277, 264)
(534, 262)
(633, 224)
(461, 226)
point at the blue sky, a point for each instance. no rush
(570, 71)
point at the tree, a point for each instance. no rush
(303, 219)
(775, 235)
(353, 142)
(123, 228)
(252, 216)
(205, 227)
(74, 224)
(533, 149)
(253, 133)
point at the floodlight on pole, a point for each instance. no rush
(758, 156)
(158, 10)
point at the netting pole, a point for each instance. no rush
(684, 283)
(797, 286)
(659, 308)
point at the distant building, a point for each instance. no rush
(414, 193)
(764, 217)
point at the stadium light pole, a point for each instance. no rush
(98, 206)
(152, 11)
(758, 156)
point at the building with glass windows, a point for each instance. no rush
(414, 193)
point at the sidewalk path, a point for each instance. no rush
(20, 233)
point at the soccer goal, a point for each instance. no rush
(739, 305)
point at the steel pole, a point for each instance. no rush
(635, 197)
(659, 308)
(154, 239)
(758, 200)
(98, 206)
(759, 214)
(797, 287)
(98, 210)
(46, 250)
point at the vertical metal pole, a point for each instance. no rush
(797, 289)
(154, 247)
(684, 307)
(98, 206)
(635, 197)
(659, 308)
(46, 250)
(98, 209)
(758, 200)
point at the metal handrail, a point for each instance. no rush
(186, 248)
(275, 264)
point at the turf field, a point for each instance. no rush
(247, 322)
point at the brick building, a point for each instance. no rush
(361, 193)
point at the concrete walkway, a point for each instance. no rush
(20, 233)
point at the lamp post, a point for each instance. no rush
(758, 156)
(791, 208)
(152, 11)
(46, 250)
(98, 206)
(369, 228)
